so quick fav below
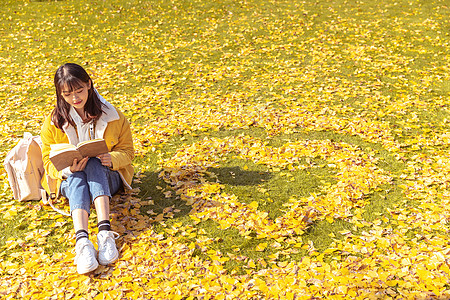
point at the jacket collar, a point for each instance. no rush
(109, 114)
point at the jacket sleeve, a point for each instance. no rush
(122, 153)
(48, 137)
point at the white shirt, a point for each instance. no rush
(84, 134)
(82, 128)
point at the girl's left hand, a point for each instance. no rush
(105, 159)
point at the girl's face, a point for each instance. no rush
(77, 97)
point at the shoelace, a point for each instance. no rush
(115, 236)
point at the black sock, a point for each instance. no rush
(81, 234)
(104, 225)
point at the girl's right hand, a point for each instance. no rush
(78, 166)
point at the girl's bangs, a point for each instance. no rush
(71, 83)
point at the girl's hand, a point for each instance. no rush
(78, 166)
(105, 159)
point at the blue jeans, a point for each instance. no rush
(81, 188)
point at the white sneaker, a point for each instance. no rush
(85, 258)
(107, 250)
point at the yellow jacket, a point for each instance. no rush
(112, 126)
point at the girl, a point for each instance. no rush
(82, 114)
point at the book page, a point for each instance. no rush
(80, 144)
(60, 147)
(92, 148)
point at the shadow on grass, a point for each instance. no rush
(271, 191)
(238, 181)
(238, 177)
(161, 195)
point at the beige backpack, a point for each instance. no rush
(25, 169)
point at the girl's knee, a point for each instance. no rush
(74, 182)
(93, 163)
(77, 176)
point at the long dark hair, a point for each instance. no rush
(73, 76)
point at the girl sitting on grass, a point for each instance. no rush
(82, 114)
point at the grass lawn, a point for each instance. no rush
(284, 149)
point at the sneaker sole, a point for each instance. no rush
(88, 269)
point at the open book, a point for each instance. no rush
(62, 155)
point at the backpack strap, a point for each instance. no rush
(48, 199)
(51, 198)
